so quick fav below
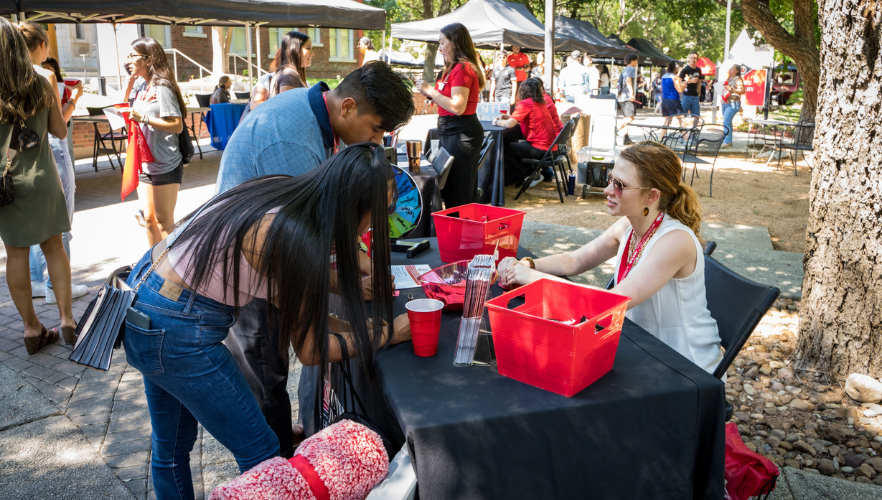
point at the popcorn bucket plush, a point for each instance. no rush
(344, 461)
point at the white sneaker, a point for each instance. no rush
(77, 291)
(38, 289)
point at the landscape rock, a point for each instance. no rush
(804, 447)
(753, 371)
(798, 404)
(785, 373)
(875, 463)
(863, 388)
(826, 467)
(766, 370)
(846, 469)
(866, 471)
(750, 391)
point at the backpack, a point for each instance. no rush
(185, 145)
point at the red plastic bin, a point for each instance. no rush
(533, 348)
(462, 233)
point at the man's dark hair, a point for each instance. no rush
(693, 52)
(377, 89)
(629, 58)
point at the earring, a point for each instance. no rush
(646, 211)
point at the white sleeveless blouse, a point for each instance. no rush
(677, 314)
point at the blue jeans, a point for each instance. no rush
(729, 111)
(64, 163)
(190, 377)
(691, 105)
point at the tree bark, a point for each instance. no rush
(432, 48)
(840, 329)
(221, 39)
(800, 46)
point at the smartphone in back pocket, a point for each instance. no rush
(137, 318)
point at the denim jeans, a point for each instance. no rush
(64, 162)
(189, 378)
(729, 111)
(691, 105)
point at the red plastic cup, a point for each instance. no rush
(425, 325)
(503, 111)
(71, 82)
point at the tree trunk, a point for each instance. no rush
(841, 315)
(432, 48)
(800, 46)
(221, 39)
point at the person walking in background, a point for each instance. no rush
(503, 81)
(627, 95)
(366, 47)
(538, 70)
(41, 285)
(573, 79)
(158, 105)
(456, 94)
(520, 62)
(30, 110)
(670, 95)
(604, 80)
(691, 77)
(289, 66)
(656, 92)
(734, 89)
(221, 92)
(531, 121)
(593, 76)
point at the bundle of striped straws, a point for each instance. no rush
(480, 274)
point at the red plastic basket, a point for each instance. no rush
(533, 348)
(474, 229)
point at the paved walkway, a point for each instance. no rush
(69, 432)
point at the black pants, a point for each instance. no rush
(461, 136)
(515, 169)
(256, 349)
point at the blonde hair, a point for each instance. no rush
(34, 35)
(658, 167)
(23, 92)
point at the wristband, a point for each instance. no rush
(530, 262)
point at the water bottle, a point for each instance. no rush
(571, 184)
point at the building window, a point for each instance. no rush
(162, 34)
(239, 45)
(315, 34)
(341, 45)
(275, 38)
(80, 31)
(194, 32)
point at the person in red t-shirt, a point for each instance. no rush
(457, 93)
(520, 62)
(536, 126)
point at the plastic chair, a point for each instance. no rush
(488, 143)
(552, 159)
(203, 100)
(243, 95)
(709, 142)
(400, 483)
(442, 162)
(803, 135)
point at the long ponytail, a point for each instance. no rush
(659, 168)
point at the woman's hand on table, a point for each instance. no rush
(513, 273)
(400, 329)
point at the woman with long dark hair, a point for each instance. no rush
(292, 59)
(29, 110)
(457, 93)
(368, 51)
(272, 238)
(657, 250)
(536, 126)
(604, 80)
(158, 105)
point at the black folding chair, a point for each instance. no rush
(710, 140)
(243, 95)
(99, 146)
(552, 159)
(441, 163)
(204, 100)
(488, 143)
(803, 136)
(738, 305)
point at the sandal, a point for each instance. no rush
(46, 337)
(70, 334)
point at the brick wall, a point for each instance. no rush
(196, 46)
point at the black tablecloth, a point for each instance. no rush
(652, 428)
(491, 178)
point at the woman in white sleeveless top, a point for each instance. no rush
(659, 261)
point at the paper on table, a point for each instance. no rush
(405, 279)
(114, 117)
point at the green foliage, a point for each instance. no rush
(332, 82)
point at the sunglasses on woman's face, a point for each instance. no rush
(617, 185)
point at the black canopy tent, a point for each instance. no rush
(490, 23)
(247, 13)
(658, 57)
(590, 40)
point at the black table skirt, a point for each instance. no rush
(652, 428)
(491, 178)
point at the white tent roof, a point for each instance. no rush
(743, 52)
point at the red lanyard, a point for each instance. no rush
(336, 137)
(628, 261)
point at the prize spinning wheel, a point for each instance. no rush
(409, 208)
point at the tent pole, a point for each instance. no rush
(257, 34)
(118, 72)
(383, 44)
(549, 43)
(248, 49)
(390, 50)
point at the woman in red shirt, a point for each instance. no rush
(457, 93)
(536, 126)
